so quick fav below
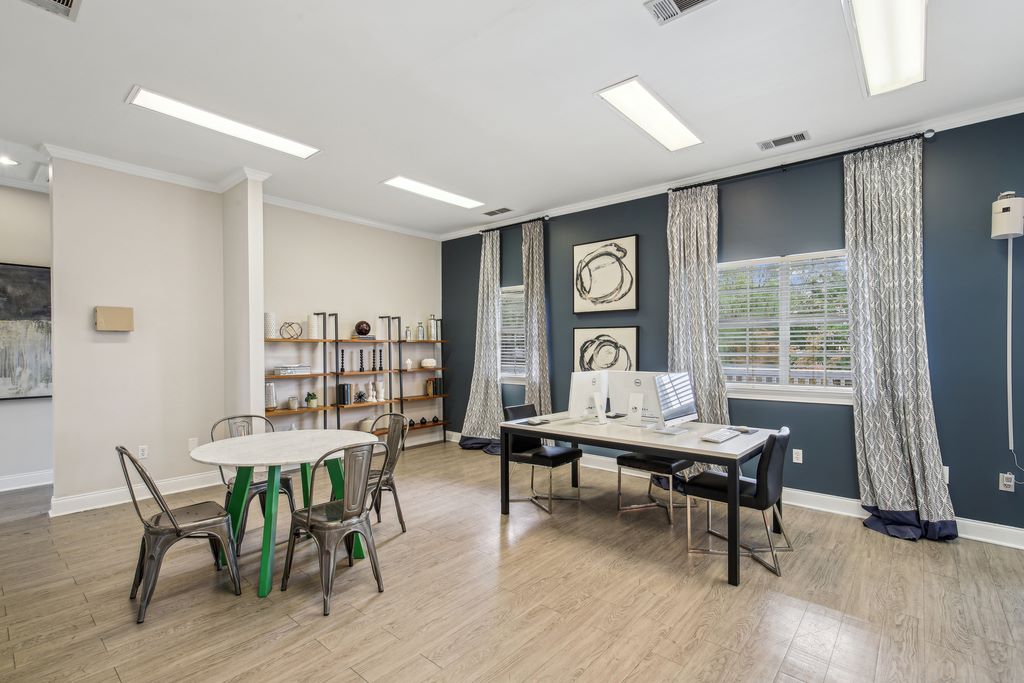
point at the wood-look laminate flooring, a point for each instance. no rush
(586, 593)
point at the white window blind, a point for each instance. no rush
(513, 332)
(785, 320)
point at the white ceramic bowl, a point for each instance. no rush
(428, 363)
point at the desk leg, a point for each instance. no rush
(733, 499)
(236, 503)
(575, 469)
(337, 472)
(269, 530)
(307, 495)
(505, 445)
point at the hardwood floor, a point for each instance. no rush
(586, 593)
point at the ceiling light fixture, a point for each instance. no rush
(7, 161)
(889, 40)
(641, 106)
(147, 99)
(409, 185)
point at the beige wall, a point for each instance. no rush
(121, 240)
(314, 263)
(26, 425)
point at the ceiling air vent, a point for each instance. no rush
(497, 212)
(66, 8)
(768, 145)
(665, 11)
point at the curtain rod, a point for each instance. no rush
(512, 225)
(783, 167)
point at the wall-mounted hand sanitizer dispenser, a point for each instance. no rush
(1007, 216)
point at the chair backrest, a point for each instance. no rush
(357, 462)
(398, 428)
(234, 426)
(127, 458)
(769, 469)
(521, 444)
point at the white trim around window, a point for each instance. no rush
(842, 396)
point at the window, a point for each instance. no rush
(513, 333)
(785, 321)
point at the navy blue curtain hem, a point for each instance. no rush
(909, 525)
(479, 443)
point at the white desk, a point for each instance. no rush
(616, 435)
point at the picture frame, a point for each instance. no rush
(26, 361)
(604, 275)
(605, 348)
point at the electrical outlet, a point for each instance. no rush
(1006, 481)
(193, 443)
(143, 452)
(798, 455)
(945, 474)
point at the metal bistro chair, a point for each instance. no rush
(161, 531)
(762, 493)
(241, 425)
(531, 451)
(335, 521)
(398, 428)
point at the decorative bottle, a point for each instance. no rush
(432, 328)
(421, 334)
(408, 333)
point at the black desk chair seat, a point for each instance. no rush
(761, 493)
(660, 465)
(531, 451)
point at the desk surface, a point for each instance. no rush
(290, 447)
(619, 435)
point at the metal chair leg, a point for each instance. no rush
(138, 569)
(286, 489)
(328, 561)
(371, 552)
(671, 516)
(398, 506)
(215, 549)
(292, 533)
(226, 543)
(156, 548)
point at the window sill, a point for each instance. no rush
(513, 379)
(842, 396)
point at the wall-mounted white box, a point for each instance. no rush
(115, 319)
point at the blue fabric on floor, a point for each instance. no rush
(478, 443)
(908, 525)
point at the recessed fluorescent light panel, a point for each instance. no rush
(7, 161)
(409, 185)
(148, 99)
(641, 106)
(889, 38)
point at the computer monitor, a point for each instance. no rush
(582, 388)
(622, 386)
(675, 396)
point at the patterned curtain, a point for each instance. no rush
(898, 460)
(538, 375)
(693, 297)
(483, 412)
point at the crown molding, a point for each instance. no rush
(56, 152)
(940, 123)
(341, 216)
(24, 185)
(244, 173)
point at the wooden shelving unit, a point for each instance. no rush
(391, 372)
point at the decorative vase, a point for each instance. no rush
(371, 395)
(270, 326)
(432, 328)
(313, 327)
(408, 364)
(312, 403)
(380, 391)
(408, 333)
(269, 396)
(293, 403)
(421, 334)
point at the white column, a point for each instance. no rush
(243, 292)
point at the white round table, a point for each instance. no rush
(272, 450)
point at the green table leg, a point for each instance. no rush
(334, 468)
(269, 530)
(236, 504)
(307, 495)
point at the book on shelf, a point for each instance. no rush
(296, 369)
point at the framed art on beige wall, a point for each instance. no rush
(25, 357)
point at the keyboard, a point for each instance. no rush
(720, 435)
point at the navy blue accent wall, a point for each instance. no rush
(797, 211)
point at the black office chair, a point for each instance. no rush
(531, 451)
(762, 493)
(664, 467)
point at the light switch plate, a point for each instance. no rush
(1006, 481)
(798, 455)
(143, 452)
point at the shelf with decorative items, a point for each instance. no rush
(433, 387)
(314, 333)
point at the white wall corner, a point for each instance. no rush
(237, 176)
(26, 480)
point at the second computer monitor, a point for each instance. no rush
(584, 389)
(675, 395)
(623, 385)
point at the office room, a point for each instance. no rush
(619, 340)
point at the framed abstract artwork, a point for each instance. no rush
(604, 275)
(26, 369)
(605, 348)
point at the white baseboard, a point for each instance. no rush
(25, 480)
(65, 505)
(971, 529)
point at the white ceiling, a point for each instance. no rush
(492, 100)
